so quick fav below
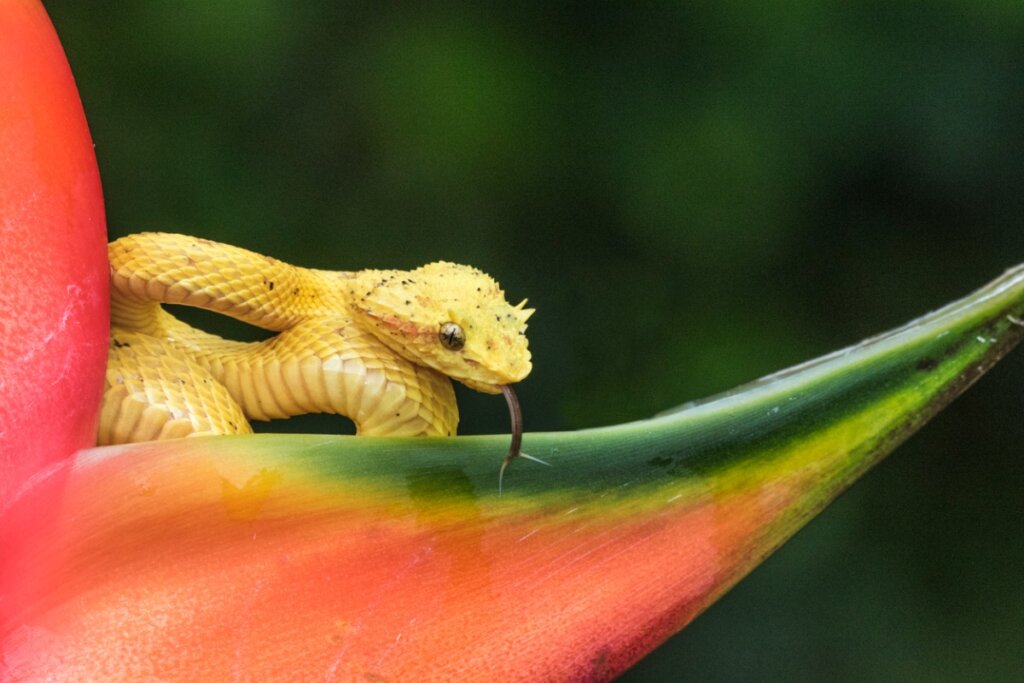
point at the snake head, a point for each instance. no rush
(448, 317)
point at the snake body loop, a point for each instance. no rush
(361, 344)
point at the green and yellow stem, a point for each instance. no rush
(340, 558)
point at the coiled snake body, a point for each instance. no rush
(377, 346)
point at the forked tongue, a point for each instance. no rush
(514, 448)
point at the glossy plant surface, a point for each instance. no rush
(282, 558)
(337, 558)
(53, 265)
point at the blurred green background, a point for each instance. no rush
(692, 195)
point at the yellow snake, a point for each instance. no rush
(377, 346)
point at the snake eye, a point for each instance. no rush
(452, 337)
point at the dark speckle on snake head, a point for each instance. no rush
(410, 312)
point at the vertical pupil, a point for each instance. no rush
(451, 336)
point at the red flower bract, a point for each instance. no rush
(343, 558)
(53, 266)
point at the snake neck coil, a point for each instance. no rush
(367, 344)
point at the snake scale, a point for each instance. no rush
(377, 346)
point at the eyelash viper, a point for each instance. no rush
(377, 346)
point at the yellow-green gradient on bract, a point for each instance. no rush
(340, 558)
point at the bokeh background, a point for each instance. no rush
(691, 194)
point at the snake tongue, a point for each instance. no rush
(517, 421)
(514, 448)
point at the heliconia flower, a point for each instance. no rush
(341, 558)
(53, 257)
(292, 558)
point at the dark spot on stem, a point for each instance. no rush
(600, 666)
(953, 348)
(927, 364)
